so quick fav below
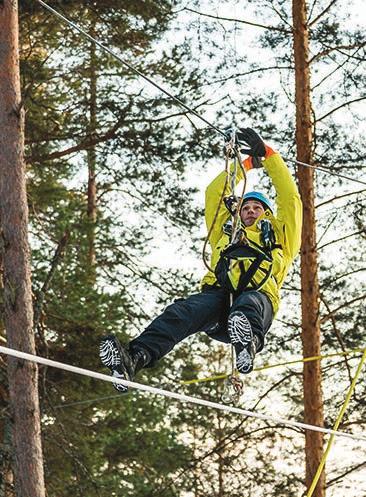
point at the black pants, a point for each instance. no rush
(207, 311)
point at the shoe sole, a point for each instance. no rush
(244, 362)
(241, 335)
(112, 356)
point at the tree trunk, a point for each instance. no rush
(92, 159)
(313, 399)
(18, 314)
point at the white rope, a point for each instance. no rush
(173, 395)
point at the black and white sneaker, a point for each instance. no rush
(243, 340)
(118, 359)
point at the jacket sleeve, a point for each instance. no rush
(289, 205)
(214, 193)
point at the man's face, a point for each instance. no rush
(250, 211)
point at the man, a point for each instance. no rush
(240, 296)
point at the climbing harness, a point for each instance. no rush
(234, 386)
(234, 256)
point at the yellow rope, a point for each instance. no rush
(336, 425)
(269, 366)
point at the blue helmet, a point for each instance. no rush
(267, 204)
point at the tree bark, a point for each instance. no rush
(313, 398)
(18, 314)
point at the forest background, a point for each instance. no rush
(115, 180)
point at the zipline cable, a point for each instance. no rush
(166, 92)
(336, 425)
(90, 401)
(127, 64)
(173, 395)
(323, 170)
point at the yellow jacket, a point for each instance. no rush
(286, 225)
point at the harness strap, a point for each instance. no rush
(239, 252)
(246, 276)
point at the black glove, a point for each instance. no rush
(239, 140)
(255, 142)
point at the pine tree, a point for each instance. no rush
(313, 397)
(22, 376)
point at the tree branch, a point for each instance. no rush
(339, 66)
(83, 145)
(350, 470)
(41, 295)
(90, 142)
(283, 19)
(338, 197)
(340, 107)
(239, 75)
(240, 21)
(342, 276)
(339, 337)
(352, 56)
(343, 238)
(327, 228)
(329, 50)
(346, 304)
(319, 16)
